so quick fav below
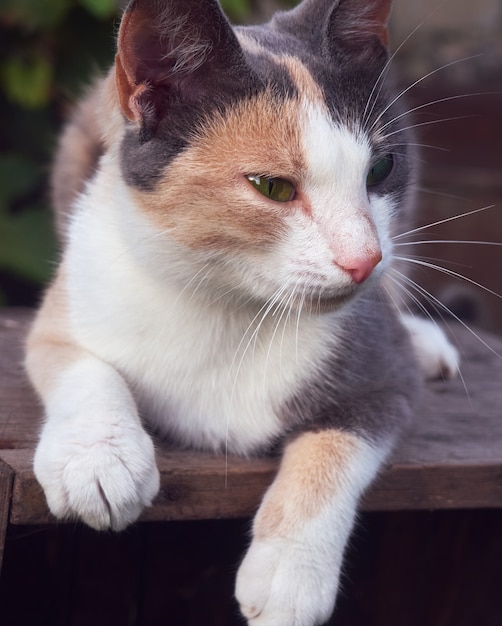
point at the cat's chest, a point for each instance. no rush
(217, 385)
(206, 376)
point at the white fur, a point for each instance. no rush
(338, 161)
(292, 580)
(199, 368)
(437, 357)
(94, 460)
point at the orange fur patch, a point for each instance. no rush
(312, 471)
(49, 346)
(204, 195)
(303, 79)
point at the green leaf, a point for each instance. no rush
(27, 81)
(101, 9)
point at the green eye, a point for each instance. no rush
(380, 170)
(276, 189)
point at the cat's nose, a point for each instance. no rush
(361, 268)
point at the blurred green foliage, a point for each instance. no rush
(49, 50)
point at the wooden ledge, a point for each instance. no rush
(451, 457)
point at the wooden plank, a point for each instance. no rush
(6, 479)
(450, 458)
(19, 409)
(193, 486)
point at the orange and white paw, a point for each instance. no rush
(287, 583)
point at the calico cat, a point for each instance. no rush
(227, 199)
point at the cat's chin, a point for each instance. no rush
(327, 305)
(325, 301)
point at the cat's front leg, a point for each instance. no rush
(94, 460)
(290, 574)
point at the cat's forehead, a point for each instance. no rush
(290, 64)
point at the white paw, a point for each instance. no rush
(437, 357)
(103, 473)
(287, 583)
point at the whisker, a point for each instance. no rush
(410, 295)
(432, 103)
(429, 123)
(449, 241)
(200, 283)
(449, 272)
(443, 221)
(297, 330)
(380, 80)
(433, 259)
(283, 306)
(421, 145)
(423, 308)
(263, 311)
(290, 311)
(431, 298)
(435, 192)
(418, 81)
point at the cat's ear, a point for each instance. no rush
(356, 23)
(172, 52)
(354, 26)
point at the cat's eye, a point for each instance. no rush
(277, 189)
(380, 170)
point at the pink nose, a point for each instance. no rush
(360, 269)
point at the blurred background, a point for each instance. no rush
(50, 49)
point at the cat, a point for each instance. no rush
(226, 199)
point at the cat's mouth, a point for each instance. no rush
(324, 300)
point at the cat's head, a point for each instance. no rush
(269, 152)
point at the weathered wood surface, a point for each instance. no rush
(451, 457)
(6, 478)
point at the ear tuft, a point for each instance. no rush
(172, 52)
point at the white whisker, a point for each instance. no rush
(431, 298)
(448, 272)
(263, 311)
(283, 306)
(450, 241)
(429, 123)
(187, 285)
(429, 104)
(380, 80)
(421, 145)
(417, 82)
(443, 221)
(427, 313)
(435, 192)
